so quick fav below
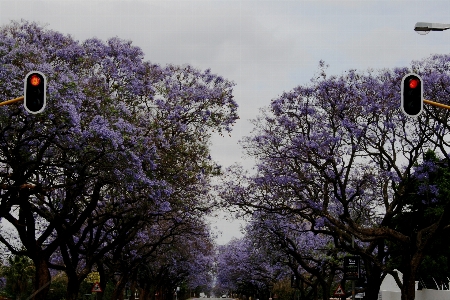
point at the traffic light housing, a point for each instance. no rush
(412, 95)
(35, 92)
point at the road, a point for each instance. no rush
(213, 298)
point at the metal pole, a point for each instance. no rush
(11, 101)
(436, 104)
(353, 281)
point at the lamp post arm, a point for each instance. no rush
(424, 26)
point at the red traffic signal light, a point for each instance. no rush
(412, 95)
(35, 92)
(35, 80)
(413, 83)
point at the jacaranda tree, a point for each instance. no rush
(162, 255)
(289, 241)
(245, 267)
(339, 153)
(81, 178)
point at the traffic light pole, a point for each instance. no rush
(11, 101)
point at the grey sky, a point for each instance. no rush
(265, 47)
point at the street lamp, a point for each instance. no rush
(424, 27)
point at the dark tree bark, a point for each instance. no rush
(42, 278)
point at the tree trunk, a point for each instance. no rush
(409, 279)
(73, 287)
(133, 287)
(372, 289)
(374, 280)
(410, 267)
(42, 279)
(408, 288)
(326, 284)
(326, 291)
(119, 288)
(145, 293)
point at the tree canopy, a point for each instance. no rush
(339, 155)
(121, 151)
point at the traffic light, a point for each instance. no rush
(35, 91)
(412, 95)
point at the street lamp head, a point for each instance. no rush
(424, 27)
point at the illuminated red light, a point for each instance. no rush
(413, 83)
(35, 80)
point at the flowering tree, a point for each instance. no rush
(289, 241)
(119, 138)
(243, 266)
(171, 248)
(233, 266)
(340, 154)
(427, 204)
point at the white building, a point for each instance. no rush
(389, 290)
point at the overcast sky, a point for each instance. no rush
(265, 47)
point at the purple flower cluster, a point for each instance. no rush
(121, 150)
(338, 154)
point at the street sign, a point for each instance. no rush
(339, 292)
(96, 288)
(351, 268)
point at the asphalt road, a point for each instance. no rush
(214, 298)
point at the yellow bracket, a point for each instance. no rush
(11, 101)
(436, 104)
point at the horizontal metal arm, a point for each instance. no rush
(436, 104)
(11, 101)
